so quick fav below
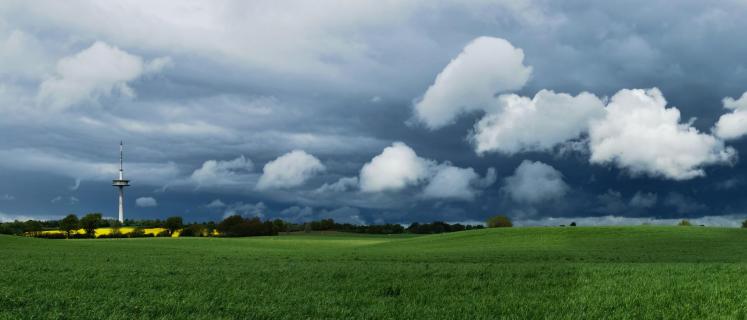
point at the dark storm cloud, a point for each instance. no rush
(224, 81)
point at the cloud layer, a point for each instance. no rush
(206, 95)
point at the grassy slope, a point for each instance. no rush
(639, 272)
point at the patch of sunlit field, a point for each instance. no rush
(520, 273)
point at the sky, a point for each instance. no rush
(376, 111)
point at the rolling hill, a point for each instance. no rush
(543, 272)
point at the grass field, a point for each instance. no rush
(574, 273)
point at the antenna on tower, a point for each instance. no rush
(121, 154)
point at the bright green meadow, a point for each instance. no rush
(642, 272)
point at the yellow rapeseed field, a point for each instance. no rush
(122, 230)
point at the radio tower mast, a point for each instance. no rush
(120, 183)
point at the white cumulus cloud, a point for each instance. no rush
(534, 182)
(397, 167)
(640, 134)
(145, 202)
(289, 170)
(97, 71)
(469, 82)
(223, 173)
(456, 183)
(536, 124)
(733, 125)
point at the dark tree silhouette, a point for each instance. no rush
(69, 223)
(499, 222)
(173, 224)
(90, 222)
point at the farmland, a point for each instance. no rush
(543, 272)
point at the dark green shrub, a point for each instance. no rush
(237, 226)
(173, 224)
(194, 230)
(137, 233)
(163, 234)
(16, 227)
(499, 222)
(69, 223)
(90, 222)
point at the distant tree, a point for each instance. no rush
(684, 223)
(280, 225)
(5, 228)
(307, 227)
(573, 224)
(439, 227)
(744, 224)
(194, 230)
(138, 232)
(457, 227)
(174, 223)
(162, 234)
(499, 222)
(115, 225)
(229, 224)
(32, 226)
(210, 228)
(326, 224)
(90, 222)
(69, 223)
(15, 227)
(237, 226)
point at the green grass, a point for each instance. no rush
(519, 273)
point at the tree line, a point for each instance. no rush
(232, 226)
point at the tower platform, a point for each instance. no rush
(121, 183)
